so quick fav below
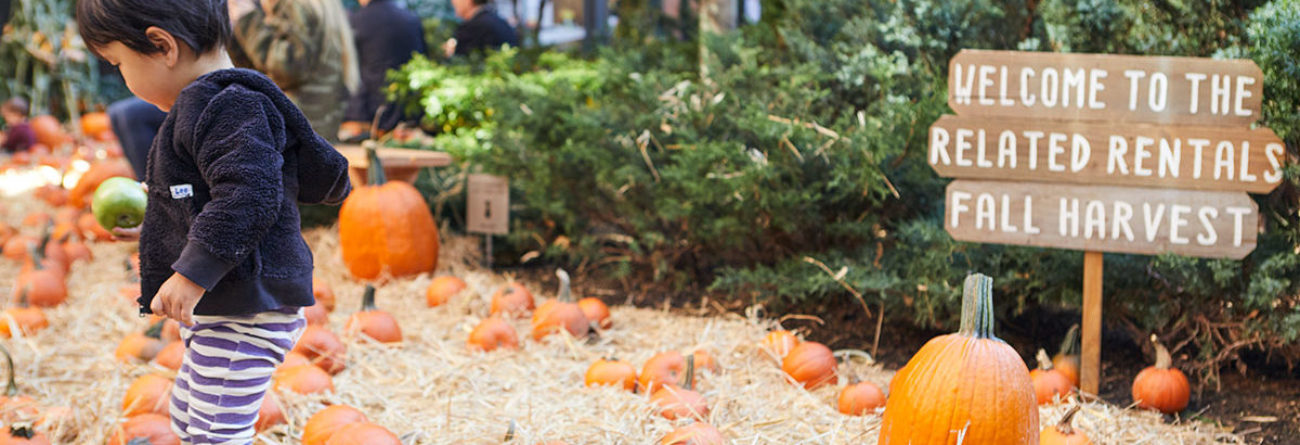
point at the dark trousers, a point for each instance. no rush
(135, 122)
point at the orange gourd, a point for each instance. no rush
(303, 379)
(79, 196)
(492, 333)
(698, 433)
(171, 356)
(1048, 382)
(968, 384)
(560, 313)
(373, 322)
(270, 414)
(322, 348)
(810, 364)
(322, 425)
(323, 292)
(1064, 433)
(596, 311)
(1067, 358)
(363, 433)
(441, 289)
(778, 343)
(1161, 387)
(611, 372)
(153, 429)
(150, 393)
(860, 399)
(512, 299)
(23, 434)
(386, 228)
(680, 402)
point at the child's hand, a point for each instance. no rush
(176, 299)
(132, 234)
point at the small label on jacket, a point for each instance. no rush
(182, 191)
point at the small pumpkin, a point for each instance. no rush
(24, 318)
(23, 434)
(704, 361)
(150, 393)
(1048, 382)
(140, 347)
(611, 372)
(1067, 357)
(151, 429)
(16, 247)
(171, 330)
(697, 433)
(79, 196)
(386, 228)
(968, 384)
(303, 379)
(680, 402)
(373, 322)
(560, 313)
(860, 399)
(294, 359)
(1161, 387)
(1064, 433)
(36, 219)
(363, 433)
(15, 405)
(492, 333)
(77, 251)
(94, 123)
(778, 343)
(322, 348)
(596, 311)
(512, 299)
(323, 292)
(270, 414)
(322, 425)
(441, 289)
(45, 284)
(316, 315)
(664, 367)
(91, 229)
(810, 364)
(171, 356)
(48, 130)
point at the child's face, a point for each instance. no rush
(156, 78)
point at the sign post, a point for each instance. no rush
(1104, 153)
(488, 209)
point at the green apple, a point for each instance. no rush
(118, 202)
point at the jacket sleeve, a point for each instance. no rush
(282, 44)
(322, 173)
(240, 158)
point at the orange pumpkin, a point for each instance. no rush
(491, 333)
(1161, 387)
(26, 319)
(94, 123)
(441, 289)
(560, 313)
(141, 347)
(48, 130)
(316, 315)
(79, 196)
(704, 361)
(698, 433)
(323, 348)
(322, 425)
(171, 356)
(77, 251)
(373, 322)
(1064, 433)
(43, 281)
(292, 359)
(92, 230)
(36, 219)
(969, 384)
(386, 228)
(664, 367)
(513, 299)
(860, 399)
(1067, 358)
(303, 379)
(1048, 382)
(363, 433)
(611, 372)
(14, 405)
(6, 232)
(680, 402)
(810, 364)
(153, 429)
(16, 247)
(778, 343)
(596, 311)
(150, 393)
(23, 434)
(171, 330)
(323, 292)
(270, 414)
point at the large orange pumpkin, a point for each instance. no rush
(373, 322)
(968, 384)
(491, 333)
(1064, 433)
(1067, 358)
(386, 228)
(560, 313)
(1048, 382)
(1161, 387)
(153, 429)
(148, 394)
(810, 364)
(79, 196)
(322, 425)
(611, 372)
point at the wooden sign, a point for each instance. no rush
(1201, 158)
(1103, 218)
(1094, 87)
(488, 205)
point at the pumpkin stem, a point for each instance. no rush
(139, 441)
(12, 389)
(1065, 426)
(368, 299)
(689, 384)
(155, 330)
(22, 295)
(376, 169)
(1163, 359)
(37, 256)
(1044, 362)
(566, 293)
(1070, 345)
(510, 432)
(21, 430)
(977, 306)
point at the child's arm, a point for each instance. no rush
(322, 173)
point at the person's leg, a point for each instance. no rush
(227, 371)
(135, 122)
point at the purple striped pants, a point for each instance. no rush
(226, 372)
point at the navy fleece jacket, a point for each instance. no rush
(224, 172)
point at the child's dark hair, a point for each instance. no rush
(16, 105)
(204, 25)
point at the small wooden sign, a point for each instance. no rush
(1103, 218)
(488, 204)
(1096, 87)
(1200, 158)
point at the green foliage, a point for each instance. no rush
(43, 59)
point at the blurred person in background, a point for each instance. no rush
(387, 35)
(482, 29)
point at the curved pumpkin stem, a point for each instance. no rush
(977, 307)
(689, 376)
(1070, 345)
(566, 293)
(1044, 362)
(376, 168)
(510, 432)
(22, 430)
(1163, 359)
(12, 389)
(368, 299)
(1065, 426)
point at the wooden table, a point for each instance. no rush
(400, 164)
